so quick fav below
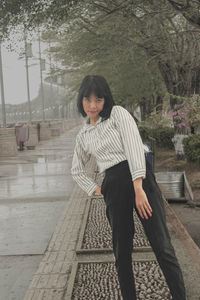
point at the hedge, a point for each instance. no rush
(162, 135)
(192, 148)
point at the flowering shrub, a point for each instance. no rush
(186, 114)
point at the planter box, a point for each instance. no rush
(171, 184)
(175, 186)
(32, 137)
(55, 131)
(8, 144)
(45, 132)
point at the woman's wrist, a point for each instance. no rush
(137, 183)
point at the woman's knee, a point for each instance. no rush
(166, 253)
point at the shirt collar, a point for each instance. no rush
(88, 121)
(88, 126)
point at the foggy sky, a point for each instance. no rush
(14, 73)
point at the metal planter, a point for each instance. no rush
(171, 184)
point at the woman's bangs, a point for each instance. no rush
(95, 89)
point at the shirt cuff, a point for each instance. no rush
(138, 174)
(92, 189)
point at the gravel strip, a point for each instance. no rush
(98, 232)
(99, 281)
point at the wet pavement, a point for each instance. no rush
(35, 187)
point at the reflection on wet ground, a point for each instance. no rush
(41, 172)
(26, 228)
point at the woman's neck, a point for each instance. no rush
(93, 122)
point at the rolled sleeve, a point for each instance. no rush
(80, 158)
(132, 142)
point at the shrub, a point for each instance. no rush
(145, 132)
(192, 148)
(162, 135)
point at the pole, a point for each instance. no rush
(27, 78)
(41, 79)
(51, 80)
(2, 92)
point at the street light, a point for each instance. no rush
(28, 53)
(2, 91)
(42, 65)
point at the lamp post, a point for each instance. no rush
(51, 80)
(2, 92)
(41, 79)
(27, 54)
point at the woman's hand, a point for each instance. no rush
(142, 204)
(98, 191)
(141, 200)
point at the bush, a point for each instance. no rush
(145, 132)
(162, 135)
(192, 148)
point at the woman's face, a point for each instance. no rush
(93, 106)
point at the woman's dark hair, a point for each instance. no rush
(97, 85)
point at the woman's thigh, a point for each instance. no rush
(119, 210)
(116, 187)
(121, 222)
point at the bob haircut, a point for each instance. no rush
(97, 85)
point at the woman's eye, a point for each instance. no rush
(99, 99)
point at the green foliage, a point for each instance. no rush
(189, 9)
(141, 48)
(145, 132)
(106, 49)
(34, 13)
(162, 135)
(161, 117)
(192, 148)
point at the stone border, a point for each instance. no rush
(184, 236)
(50, 281)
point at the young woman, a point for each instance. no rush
(111, 135)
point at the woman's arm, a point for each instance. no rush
(134, 150)
(132, 142)
(78, 172)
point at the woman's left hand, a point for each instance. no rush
(142, 204)
(98, 191)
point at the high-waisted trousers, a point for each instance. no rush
(119, 196)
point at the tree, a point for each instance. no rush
(106, 49)
(112, 32)
(190, 9)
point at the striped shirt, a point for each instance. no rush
(110, 142)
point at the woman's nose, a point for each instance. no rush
(93, 104)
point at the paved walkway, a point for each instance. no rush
(35, 186)
(67, 269)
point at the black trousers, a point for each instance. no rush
(119, 196)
